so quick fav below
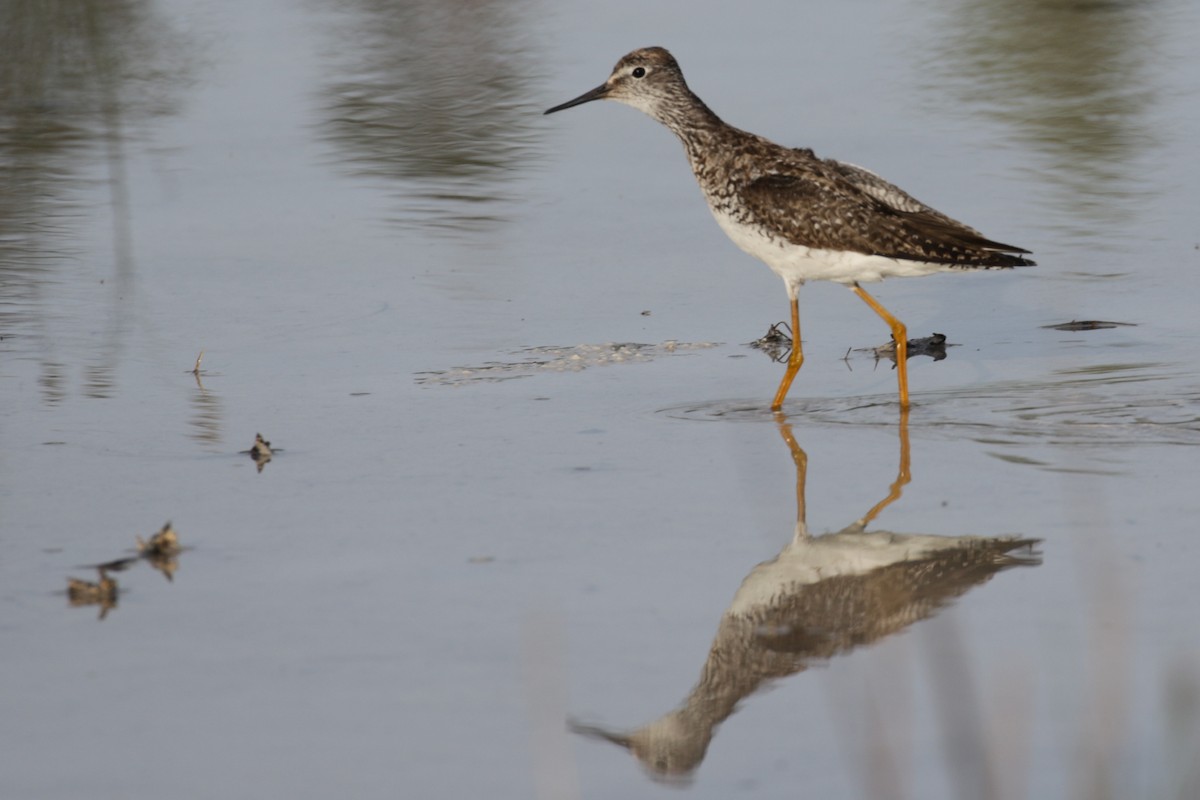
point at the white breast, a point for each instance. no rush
(797, 264)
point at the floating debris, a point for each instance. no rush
(538, 360)
(1088, 325)
(101, 593)
(161, 551)
(776, 342)
(163, 543)
(933, 346)
(261, 447)
(261, 452)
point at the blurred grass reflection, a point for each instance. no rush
(432, 96)
(1071, 81)
(77, 78)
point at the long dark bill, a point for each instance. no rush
(595, 94)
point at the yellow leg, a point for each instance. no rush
(903, 474)
(794, 360)
(800, 458)
(899, 336)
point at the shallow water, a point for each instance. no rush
(522, 459)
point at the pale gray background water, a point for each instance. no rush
(333, 199)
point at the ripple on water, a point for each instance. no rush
(532, 361)
(1117, 404)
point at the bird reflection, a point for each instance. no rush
(822, 596)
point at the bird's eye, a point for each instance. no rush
(639, 72)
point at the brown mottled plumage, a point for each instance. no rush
(806, 217)
(821, 597)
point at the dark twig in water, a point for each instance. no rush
(1088, 325)
(776, 342)
(933, 346)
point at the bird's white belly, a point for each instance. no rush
(851, 553)
(797, 264)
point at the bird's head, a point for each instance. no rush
(648, 79)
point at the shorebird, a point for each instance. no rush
(807, 218)
(819, 598)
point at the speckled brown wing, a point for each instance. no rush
(945, 241)
(886, 192)
(821, 209)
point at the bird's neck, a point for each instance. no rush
(690, 119)
(698, 128)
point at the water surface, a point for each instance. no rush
(522, 459)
